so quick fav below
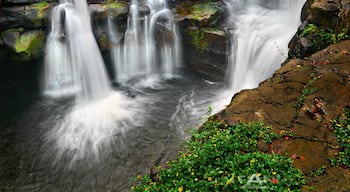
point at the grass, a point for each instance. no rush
(222, 157)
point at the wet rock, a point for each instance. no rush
(26, 45)
(29, 16)
(199, 13)
(112, 10)
(206, 51)
(23, 2)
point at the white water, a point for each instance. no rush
(149, 46)
(260, 31)
(74, 66)
(73, 62)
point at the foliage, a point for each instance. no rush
(320, 37)
(308, 90)
(318, 171)
(223, 157)
(342, 131)
(199, 40)
(114, 5)
(201, 11)
(42, 4)
(30, 42)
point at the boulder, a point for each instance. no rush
(200, 14)
(206, 51)
(25, 45)
(29, 16)
(324, 22)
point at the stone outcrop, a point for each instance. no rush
(274, 103)
(324, 22)
(204, 39)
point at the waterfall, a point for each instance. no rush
(73, 62)
(150, 44)
(74, 66)
(260, 31)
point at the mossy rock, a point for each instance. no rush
(26, 45)
(37, 12)
(208, 38)
(199, 13)
(109, 9)
(202, 11)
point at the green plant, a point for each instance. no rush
(199, 40)
(308, 90)
(42, 4)
(341, 127)
(318, 171)
(223, 157)
(321, 37)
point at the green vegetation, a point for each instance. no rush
(320, 37)
(223, 157)
(201, 11)
(30, 43)
(308, 90)
(199, 40)
(318, 171)
(42, 4)
(114, 5)
(341, 127)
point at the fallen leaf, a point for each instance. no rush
(302, 158)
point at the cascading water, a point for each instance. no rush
(149, 46)
(260, 31)
(74, 66)
(73, 63)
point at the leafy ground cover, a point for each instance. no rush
(341, 125)
(222, 157)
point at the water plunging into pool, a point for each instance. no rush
(150, 44)
(85, 136)
(260, 31)
(74, 67)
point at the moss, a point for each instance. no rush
(114, 5)
(199, 40)
(41, 8)
(30, 43)
(203, 11)
(42, 4)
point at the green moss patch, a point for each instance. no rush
(30, 43)
(202, 11)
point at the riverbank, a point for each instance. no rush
(299, 102)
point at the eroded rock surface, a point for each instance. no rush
(274, 101)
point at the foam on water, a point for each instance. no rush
(88, 129)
